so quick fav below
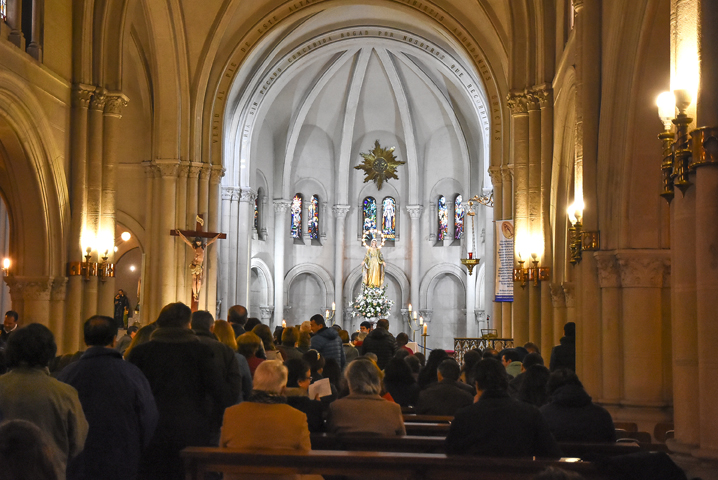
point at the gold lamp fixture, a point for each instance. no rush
(579, 240)
(470, 262)
(6, 266)
(534, 273)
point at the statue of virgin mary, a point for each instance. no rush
(373, 266)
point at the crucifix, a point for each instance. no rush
(198, 246)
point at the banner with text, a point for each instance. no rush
(504, 261)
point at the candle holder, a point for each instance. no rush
(329, 316)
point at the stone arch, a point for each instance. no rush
(262, 266)
(123, 218)
(431, 277)
(314, 270)
(354, 278)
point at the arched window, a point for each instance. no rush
(313, 218)
(388, 218)
(369, 214)
(256, 213)
(297, 216)
(443, 218)
(3, 10)
(458, 218)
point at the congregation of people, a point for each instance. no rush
(125, 408)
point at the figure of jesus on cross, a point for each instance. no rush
(199, 247)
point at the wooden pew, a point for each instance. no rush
(427, 429)
(428, 418)
(425, 466)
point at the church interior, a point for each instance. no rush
(122, 121)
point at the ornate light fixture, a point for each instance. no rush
(6, 266)
(578, 240)
(379, 165)
(470, 262)
(534, 273)
(329, 315)
(105, 269)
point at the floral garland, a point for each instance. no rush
(371, 302)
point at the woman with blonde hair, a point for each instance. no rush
(225, 334)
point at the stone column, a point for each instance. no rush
(32, 297)
(57, 304)
(14, 21)
(148, 306)
(184, 283)
(225, 246)
(210, 204)
(496, 307)
(642, 276)
(244, 255)
(507, 209)
(558, 302)
(609, 278)
(534, 210)
(266, 314)
(340, 215)
(193, 193)
(281, 207)
(415, 214)
(81, 96)
(38, 14)
(233, 240)
(190, 221)
(167, 222)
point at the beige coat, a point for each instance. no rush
(357, 413)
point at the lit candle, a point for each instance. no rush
(425, 329)
(421, 320)
(414, 316)
(326, 313)
(410, 308)
(284, 324)
(334, 307)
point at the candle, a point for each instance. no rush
(334, 307)
(284, 324)
(414, 316)
(471, 255)
(410, 308)
(425, 329)
(326, 314)
(421, 320)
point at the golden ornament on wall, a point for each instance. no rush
(379, 165)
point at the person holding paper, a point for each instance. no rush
(299, 378)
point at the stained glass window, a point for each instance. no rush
(3, 9)
(256, 213)
(388, 218)
(369, 215)
(443, 218)
(296, 211)
(313, 217)
(458, 218)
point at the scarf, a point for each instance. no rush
(260, 396)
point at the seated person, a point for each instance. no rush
(25, 452)
(298, 379)
(529, 361)
(400, 382)
(533, 386)
(570, 413)
(447, 395)
(511, 360)
(496, 425)
(363, 410)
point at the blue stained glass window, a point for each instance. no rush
(458, 218)
(443, 218)
(388, 218)
(256, 214)
(296, 211)
(313, 217)
(369, 215)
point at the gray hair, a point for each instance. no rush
(270, 376)
(363, 376)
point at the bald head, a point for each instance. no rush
(237, 314)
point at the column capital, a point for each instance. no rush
(114, 103)
(507, 173)
(216, 173)
(246, 195)
(544, 95)
(150, 169)
(609, 275)
(426, 313)
(558, 296)
(227, 193)
(205, 170)
(266, 312)
(495, 174)
(281, 205)
(644, 268)
(517, 103)
(82, 94)
(577, 5)
(569, 292)
(167, 167)
(30, 288)
(99, 97)
(183, 170)
(532, 101)
(59, 287)
(194, 169)
(340, 211)
(414, 211)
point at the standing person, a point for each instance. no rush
(118, 404)
(381, 343)
(564, 355)
(9, 325)
(124, 342)
(122, 307)
(225, 334)
(350, 351)
(326, 341)
(187, 387)
(237, 317)
(28, 392)
(401, 340)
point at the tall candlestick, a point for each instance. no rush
(425, 329)
(284, 324)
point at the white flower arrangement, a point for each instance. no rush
(371, 302)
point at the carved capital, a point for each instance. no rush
(495, 174)
(558, 296)
(609, 275)
(532, 101)
(479, 316)
(507, 173)
(30, 288)
(578, 5)
(426, 314)
(194, 169)
(644, 268)
(150, 169)
(340, 211)
(167, 168)
(247, 195)
(99, 97)
(82, 94)
(59, 285)
(266, 312)
(205, 171)
(227, 193)
(114, 103)
(544, 95)
(281, 205)
(569, 291)
(517, 103)
(216, 174)
(414, 211)
(183, 170)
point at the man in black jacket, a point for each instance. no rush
(497, 425)
(446, 396)
(381, 343)
(187, 387)
(564, 355)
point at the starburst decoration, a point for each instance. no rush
(379, 165)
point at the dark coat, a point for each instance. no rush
(499, 426)
(238, 329)
(226, 361)
(405, 394)
(564, 355)
(328, 343)
(572, 417)
(382, 344)
(120, 409)
(443, 398)
(188, 390)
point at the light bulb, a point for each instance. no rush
(125, 236)
(666, 103)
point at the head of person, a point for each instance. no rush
(530, 360)
(344, 335)
(448, 370)
(490, 375)
(100, 331)
(248, 344)
(421, 357)
(413, 362)
(25, 451)
(202, 321)
(317, 322)
(490, 353)
(10, 321)
(397, 371)
(560, 378)
(402, 339)
(371, 356)
(360, 336)
(263, 332)
(315, 360)
(277, 335)
(533, 386)
(509, 356)
(471, 358)
(121, 292)
(305, 326)
(270, 377)
(225, 333)
(143, 335)
(532, 348)
(365, 326)
(251, 323)
(363, 377)
(289, 337)
(30, 346)
(383, 324)
(305, 339)
(569, 330)
(401, 353)
(237, 314)
(299, 373)
(132, 331)
(174, 315)
(373, 243)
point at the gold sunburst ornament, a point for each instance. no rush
(379, 165)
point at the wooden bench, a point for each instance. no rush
(428, 418)
(410, 466)
(427, 429)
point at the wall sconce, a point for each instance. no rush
(578, 240)
(6, 266)
(329, 316)
(105, 269)
(534, 273)
(677, 147)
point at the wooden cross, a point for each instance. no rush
(197, 265)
